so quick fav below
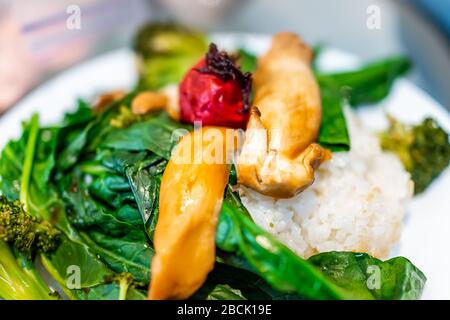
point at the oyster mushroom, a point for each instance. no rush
(279, 155)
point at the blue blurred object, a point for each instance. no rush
(439, 10)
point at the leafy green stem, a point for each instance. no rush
(124, 284)
(93, 168)
(28, 161)
(18, 278)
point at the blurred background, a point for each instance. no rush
(41, 38)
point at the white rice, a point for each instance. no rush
(356, 203)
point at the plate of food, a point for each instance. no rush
(225, 166)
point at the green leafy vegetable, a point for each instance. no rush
(21, 237)
(333, 132)
(125, 281)
(278, 265)
(108, 230)
(25, 232)
(19, 279)
(159, 136)
(40, 181)
(371, 83)
(33, 183)
(29, 157)
(367, 277)
(218, 292)
(110, 193)
(424, 149)
(332, 275)
(70, 254)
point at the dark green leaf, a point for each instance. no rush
(371, 83)
(71, 254)
(333, 132)
(82, 115)
(122, 254)
(274, 262)
(367, 277)
(112, 229)
(158, 134)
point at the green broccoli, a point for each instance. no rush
(24, 231)
(424, 149)
(21, 237)
(165, 52)
(125, 281)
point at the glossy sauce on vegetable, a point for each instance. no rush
(190, 200)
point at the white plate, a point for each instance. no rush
(426, 234)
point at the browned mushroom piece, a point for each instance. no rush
(105, 99)
(164, 99)
(279, 155)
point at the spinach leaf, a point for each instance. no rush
(371, 83)
(107, 232)
(122, 254)
(71, 257)
(81, 134)
(71, 153)
(270, 259)
(120, 160)
(116, 234)
(394, 279)
(158, 134)
(81, 116)
(145, 187)
(143, 173)
(43, 201)
(333, 132)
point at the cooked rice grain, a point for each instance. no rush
(356, 203)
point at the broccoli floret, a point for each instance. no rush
(125, 281)
(165, 52)
(21, 236)
(424, 149)
(24, 231)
